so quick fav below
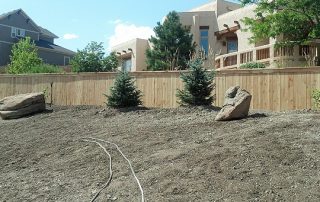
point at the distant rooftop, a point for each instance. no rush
(42, 30)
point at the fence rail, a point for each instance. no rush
(272, 89)
(159, 88)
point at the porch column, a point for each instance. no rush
(221, 62)
(238, 60)
(195, 29)
(254, 55)
(272, 60)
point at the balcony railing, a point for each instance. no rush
(266, 54)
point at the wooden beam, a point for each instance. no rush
(233, 29)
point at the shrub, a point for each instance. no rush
(45, 68)
(253, 65)
(124, 93)
(198, 85)
(316, 98)
(24, 56)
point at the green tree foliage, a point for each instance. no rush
(298, 20)
(124, 93)
(111, 62)
(92, 59)
(198, 85)
(24, 57)
(172, 45)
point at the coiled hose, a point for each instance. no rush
(96, 141)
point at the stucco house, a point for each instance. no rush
(132, 55)
(17, 24)
(218, 31)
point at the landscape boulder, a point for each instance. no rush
(236, 104)
(21, 105)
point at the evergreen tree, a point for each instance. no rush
(172, 45)
(24, 57)
(124, 93)
(198, 85)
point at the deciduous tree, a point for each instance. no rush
(92, 59)
(297, 20)
(24, 57)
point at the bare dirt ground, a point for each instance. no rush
(178, 155)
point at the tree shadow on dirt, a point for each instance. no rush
(257, 115)
(108, 112)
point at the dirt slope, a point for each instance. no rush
(178, 154)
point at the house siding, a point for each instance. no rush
(49, 39)
(51, 57)
(5, 34)
(5, 52)
(47, 56)
(18, 20)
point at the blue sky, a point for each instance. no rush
(79, 22)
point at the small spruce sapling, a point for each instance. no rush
(124, 93)
(198, 85)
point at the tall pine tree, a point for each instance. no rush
(198, 85)
(172, 45)
(124, 93)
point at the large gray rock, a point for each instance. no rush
(236, 104)
(18, 106)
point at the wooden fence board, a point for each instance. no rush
(272, 89)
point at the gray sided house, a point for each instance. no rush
(16, 25)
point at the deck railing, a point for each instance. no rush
(266, 54)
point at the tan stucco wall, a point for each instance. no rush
(197, 19)
(238, 15)
(219, 6)
(209, 15)
(137, 55)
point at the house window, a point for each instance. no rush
(20, 32)
(66, 60)
(17, 32)
(13, 32)
(126, 65)
(232, 45)
(204, 39)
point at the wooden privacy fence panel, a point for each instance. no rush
(158, 88)
(272, 89)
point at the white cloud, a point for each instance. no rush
(70, 36)
(124, 32)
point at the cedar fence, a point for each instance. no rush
(272, 89)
